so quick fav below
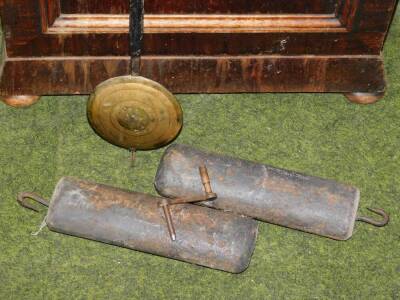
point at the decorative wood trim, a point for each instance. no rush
(50, 10)
(199, 74)
(25, 36)
(348, 13)
(86, 23)
(203, 6)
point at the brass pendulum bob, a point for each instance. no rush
(132, 111)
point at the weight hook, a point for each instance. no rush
(378, 211)
(22, 200)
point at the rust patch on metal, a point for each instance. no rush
(280, 186)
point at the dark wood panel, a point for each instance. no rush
(203, 6)
(255, 44)
(376, 15)
(367, 15)
(23, 31)
(200, 74)
(202, 44)
(20, 18)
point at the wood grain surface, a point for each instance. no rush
(234, 74)
(69, 46)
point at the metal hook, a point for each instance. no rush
(22, 197)
(378, 211)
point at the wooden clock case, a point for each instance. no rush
(197, 46)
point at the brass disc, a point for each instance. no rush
(134, 112)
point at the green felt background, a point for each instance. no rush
(318, 134)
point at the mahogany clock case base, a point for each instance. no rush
(66, 47)
(360, 79)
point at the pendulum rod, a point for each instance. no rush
(136, 16)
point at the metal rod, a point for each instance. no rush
(133, 156)
(209, 194)
(166, 203)
(205, 179)
(168, 218)
(136, 15)
(186, 200)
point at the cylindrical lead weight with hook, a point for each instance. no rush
(286, 198)
(205, 236)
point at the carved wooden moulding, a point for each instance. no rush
(193, 46)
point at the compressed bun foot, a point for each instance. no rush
(364, 98)
(20, 100)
